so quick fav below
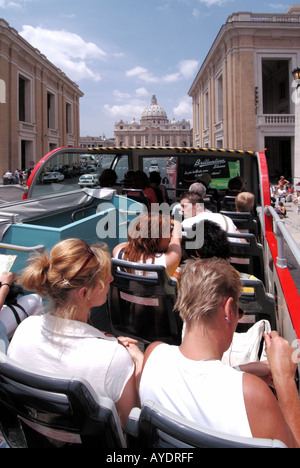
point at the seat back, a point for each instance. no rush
(39, 411)
(228, 203)
(142, 306)
(245, 222)
(154, 426)
(247, 257)
(136, 195)
(257, 304)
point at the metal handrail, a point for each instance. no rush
(20, 248)
(282, 234)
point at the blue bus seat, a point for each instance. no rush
(45, 411)
(152, 426)
(141, 306)
(257, 304)
(247, 257)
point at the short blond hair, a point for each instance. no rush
(244, 202)
(204, 285)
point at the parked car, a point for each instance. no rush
(92, 168)
(53, 177)
(88, 180)
(154, 166)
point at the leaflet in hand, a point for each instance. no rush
(6, 262)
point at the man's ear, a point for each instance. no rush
(229, 309)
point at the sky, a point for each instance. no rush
(121, 52)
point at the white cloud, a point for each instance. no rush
(184, 108)
(186, 70)
(66, 50)
(126, 111)
(17, 4)
(121, 96)
(143, 74)
(214, 2)
(142, 92)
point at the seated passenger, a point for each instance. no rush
(141, 181)
(76, 278)
(197, 188)
(281, 210)
(191, 381)
(193, 212)
(244, 202)
(108, 178)
(14, 310)
(160, 190)
(235, 186)
(151, 240)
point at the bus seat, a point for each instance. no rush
(228, 203)
(152, 426)
(45, 411)
(136, 195)
(247, 257)
(245, 222)
(257, 304)
(141, 306)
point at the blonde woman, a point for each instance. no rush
(75, 277)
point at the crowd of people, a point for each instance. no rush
(190, 379)
(16, 177)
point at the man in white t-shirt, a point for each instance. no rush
(194, 212)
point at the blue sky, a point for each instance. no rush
(121, 52)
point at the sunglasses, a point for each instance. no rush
(241, 313)
(89, 258)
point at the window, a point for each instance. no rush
(69, 126)
(219, 99)
(206, 110)
(24, 99)
(51, 110)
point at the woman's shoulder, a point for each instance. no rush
(118, 248)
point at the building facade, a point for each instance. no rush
(154, 129)
(95, 142)
(242, 94)
(39, 104)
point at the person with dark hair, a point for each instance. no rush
(235, 186)
(108, 179)
(215, 242)
(141, 181)
(160, 190)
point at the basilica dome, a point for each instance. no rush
(154, 112)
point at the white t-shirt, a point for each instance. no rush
(209, 393)
(70, 348)
(223, 221)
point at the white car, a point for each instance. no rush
(88, 180)
(53, 177)
(154, 166)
